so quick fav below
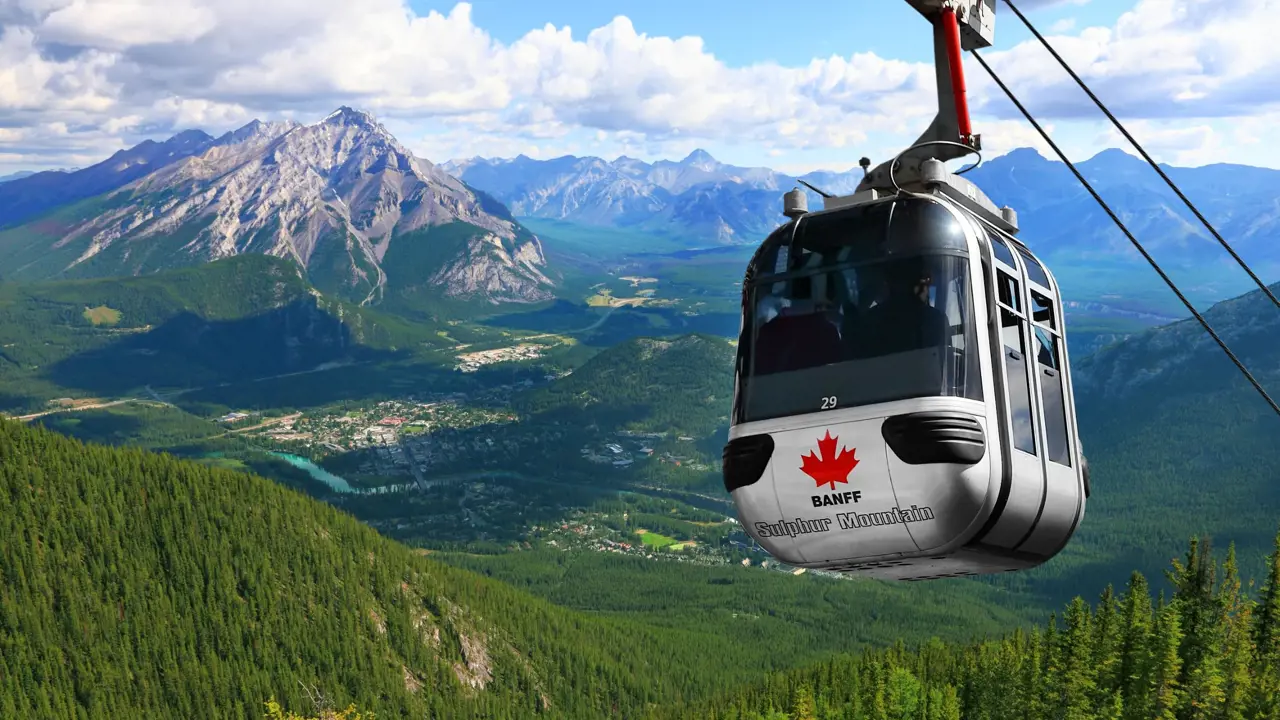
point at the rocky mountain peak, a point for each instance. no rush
(339, 196)
(348, 116)
(188, 138)
(701, 159)
(256, 129)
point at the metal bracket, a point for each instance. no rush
(976, 19)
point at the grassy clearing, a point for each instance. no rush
(605, 298)
(102, 315)
(654, 540)
(224, 463)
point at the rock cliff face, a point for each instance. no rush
(335, 196)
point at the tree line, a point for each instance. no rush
(1211, 651)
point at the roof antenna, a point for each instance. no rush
(865, 164)
(820, 192)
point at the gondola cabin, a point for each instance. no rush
(902, 404)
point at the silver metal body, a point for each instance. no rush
(986, 475)
(1012, 509)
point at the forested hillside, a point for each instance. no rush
(1178, 444)
(138, 585)
(682, 384)
(236, 319)
(1210, 653)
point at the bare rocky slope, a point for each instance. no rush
(341, 196)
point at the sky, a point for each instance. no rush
(793, 87)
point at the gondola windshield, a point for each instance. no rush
(865, 305)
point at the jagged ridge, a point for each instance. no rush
(334, 195)
(703, 199)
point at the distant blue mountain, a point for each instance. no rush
(16, 176)
(25, 198)
(1059, 214)
(708, 202)
(698, 198)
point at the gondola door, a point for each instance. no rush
(1063, 493)
(1022, 434)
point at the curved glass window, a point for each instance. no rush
(850, 322)
(1013, 332)
(1001, 250)
(1053, 396)
(1034, 271)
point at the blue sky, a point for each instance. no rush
(747, 32)
(794, 87)
(742, 32)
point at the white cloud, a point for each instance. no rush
(120, 24)
(1001, 136)
(1183, 145)
(1164, 59)
(112, 71)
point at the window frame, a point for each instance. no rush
(1057, 347)
(1017, 275)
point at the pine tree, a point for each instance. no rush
(1054, 670)
(903, 695)
(1113, 708)
(1106, 638)
(1267, 629)
(1135, 649)
(1200, 616)
(949, 707)
(802, 704)
(1237, 650)
(1078, 685)
(1035, 695)
(1166, 639)
(1265, 698)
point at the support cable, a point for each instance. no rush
(1101, 106)
(1127, 234)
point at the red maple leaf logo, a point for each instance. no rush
(830, 468)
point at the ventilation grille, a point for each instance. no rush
(745, 459)
(940, 576)
(860, 567)
(925, 438)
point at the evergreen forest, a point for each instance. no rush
(139, 584)
(1211, 651)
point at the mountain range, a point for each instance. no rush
(252, 590)
(343, 198)
(709, 202)
(372, 223)
(698, 198)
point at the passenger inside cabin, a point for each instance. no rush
(903, 319)
(801, 336)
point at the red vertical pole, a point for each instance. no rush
(951, 28)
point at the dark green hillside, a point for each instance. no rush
(776, 620)
(1178, 443)
(140, 585)
(144, 424)
(682, 385)
(1212, 652)
(237, 319)
(37, 250)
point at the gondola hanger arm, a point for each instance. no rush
(958, 26)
